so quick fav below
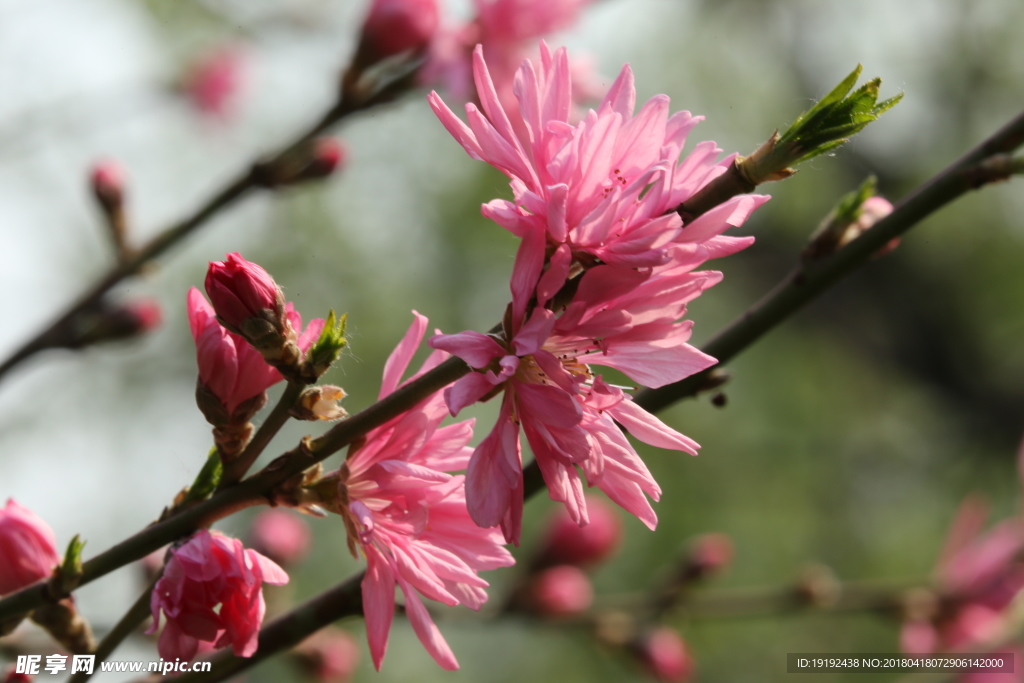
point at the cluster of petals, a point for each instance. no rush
(211, 596)
(979, 575)
(408, 515)
(28, 548)
(598, 197)
(228, 365)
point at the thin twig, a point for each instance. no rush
(236, 469)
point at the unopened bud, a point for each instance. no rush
(111, 322)
(311, 160)
(330, 655)
(561, 591)
(28, 548)
(320, 403)
(213, 81)
(107, 182)
(568, 543)
(818, 586)
(281, 535)
(709, 555)
(395, 27)
(664, 654)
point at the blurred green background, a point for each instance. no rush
(850, 434)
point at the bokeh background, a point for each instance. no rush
(850, 435)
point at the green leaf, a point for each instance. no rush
(322, 355)
(69, 574)
(208, 477)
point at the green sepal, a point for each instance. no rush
(849, 207)
(326, 350)
(69, 574)
(208, 478)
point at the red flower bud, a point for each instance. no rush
(710, 554)
(561, 591)
(28, 548)
(330, 655)
(107, 182)
(213, 82)
(396, 26)
(281, 535)
(240, 289)
(14, 677)
(665, 655)
(568, 543)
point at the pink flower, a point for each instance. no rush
(281, 535)
(241, 289)
(665, 655)
(396, 26)
(607, 187)
(566, 542)
(620, 318)
(28, 548)
(213, 82)
(228, 365)
(409, 517)
(561, 591)
(979, 575)
(211, 571)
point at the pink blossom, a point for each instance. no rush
(281, 535)
(28, 548)
(409, 518)
(561, 591)
(566, 542)
(607, 187)
(393, 27)
(620, 318)
(978, 576)
(213, 82)
(211, 595)
(710, 554)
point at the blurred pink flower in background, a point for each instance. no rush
(561, 591)
(664, 654)
(330, 655)
(211, 593)
(213, 82)
(281, 535)
(28, 548)
(566, 542)
(393, 27)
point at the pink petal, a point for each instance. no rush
(478, 350)
(426, 630)
(399, 359)
(378, 602)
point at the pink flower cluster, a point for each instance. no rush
(603, 275)
(408, 516)
(211, 596)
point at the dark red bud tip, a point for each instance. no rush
(328, 155)
(664, 654)
(145, 314)
(710, 554)
(396, 26)
(107, 182)
(240, 289)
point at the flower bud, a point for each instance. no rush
(320, 403)
(281, 535)
(311, 160)
(12, 676)
(394, 27)
(664, 654)
(561, 591)
(248, 302)
(107, 182)
(28, 548)
(709, 555)
(330, 655)
(568, 543)
(114, 321)
(213, 82)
